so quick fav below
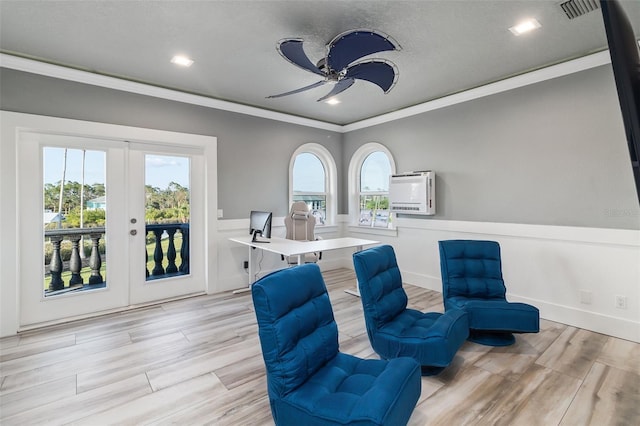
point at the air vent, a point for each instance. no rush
(575, 8)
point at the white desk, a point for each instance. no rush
(286, 247)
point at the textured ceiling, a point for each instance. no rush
(447, 46)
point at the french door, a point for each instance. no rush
(123, 224)
(166, 222)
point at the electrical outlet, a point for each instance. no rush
(621, 301)
(585, 297)
(245, 264)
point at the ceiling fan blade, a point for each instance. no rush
(352, 45)
(291, 49)
(302, 89)
(340, 86)
(378, 71)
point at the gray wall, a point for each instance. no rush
(551, 153)
(253, 153)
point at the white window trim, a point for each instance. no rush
(330, 176)
(355, 166)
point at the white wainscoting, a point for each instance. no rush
(546, 266)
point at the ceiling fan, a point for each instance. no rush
(340, 65)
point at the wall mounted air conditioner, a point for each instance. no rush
(413, 193)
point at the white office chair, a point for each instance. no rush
(300, 224)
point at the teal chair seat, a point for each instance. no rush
(431, 338)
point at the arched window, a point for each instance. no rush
(312, 179)
(369, 171)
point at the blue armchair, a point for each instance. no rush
(309, 381)
(472, 280)
(430, 338)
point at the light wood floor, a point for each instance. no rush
(198, 361)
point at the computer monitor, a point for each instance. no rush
(260, 224)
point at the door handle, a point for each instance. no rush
(133, 232)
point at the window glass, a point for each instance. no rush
(374, 191)
(308, 173)
(309, 183)
(375, 172)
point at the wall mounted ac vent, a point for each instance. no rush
(575, 8)
(413, 193)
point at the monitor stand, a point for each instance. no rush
(255, 238)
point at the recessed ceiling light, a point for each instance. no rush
(525, 26)
(183, 61)
(332, 101)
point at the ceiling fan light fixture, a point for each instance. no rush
(525, 27)
(183, 61)
(342, 66)
(332, 101)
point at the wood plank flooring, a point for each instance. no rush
(198, 361)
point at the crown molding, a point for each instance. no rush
(85, 77)
(532, 77)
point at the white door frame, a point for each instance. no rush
(16, 126)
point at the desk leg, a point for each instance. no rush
(253, 252)
(356, 291)
(252, 272)
(300, 259)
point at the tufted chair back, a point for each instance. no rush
(380, 284)
(472, 269)
(298, 333)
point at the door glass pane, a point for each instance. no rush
(167, 214)
(74, 195)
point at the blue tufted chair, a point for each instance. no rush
(472, 280)
(309, 381)
(430, 338)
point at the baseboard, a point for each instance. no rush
(612, 326)
(422, 280)
(621, 328)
